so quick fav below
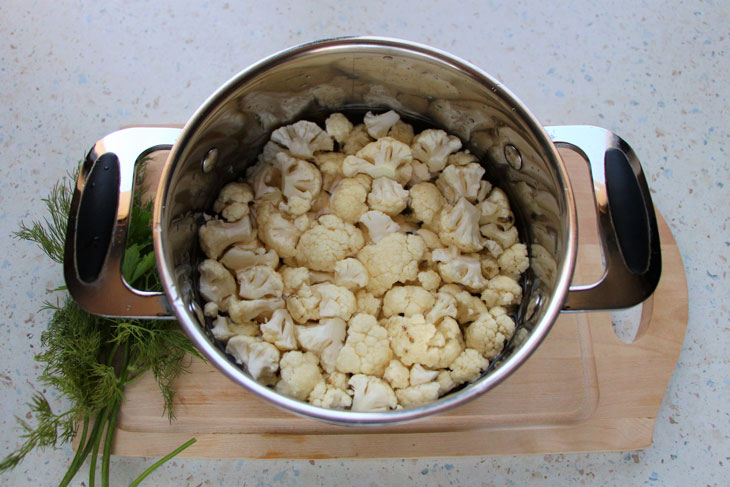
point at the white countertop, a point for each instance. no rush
(657, 75)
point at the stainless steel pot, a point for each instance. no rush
(428, 86)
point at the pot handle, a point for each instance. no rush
(98, 221)
(626, 220)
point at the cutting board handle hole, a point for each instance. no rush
(627, 323)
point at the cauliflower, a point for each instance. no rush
(335, 301)
(431, 239)
(324, 339)
(351, 274)
(487, 335)
(387, 196)
(484, 188)
(328, 396)
(418, 395)
(245, 311)
(294, 278)
(215, 236)
(357, 139)
(367, 349)
(301, 183)
(259, 281)
(367, 303)
(223, 329)
(275, 231)
(299, 374)
(419, 173)
(496, 209)
(462, 158)
(348, 199)
(393, 259)
(232, 202)
(385, 157)
(446, 383)
(239, 257)
(433, 147)
(445, 306)
(459, 226)
(379, 125)
(397, 374)
(468, 306)
(210, 309)
(460, 182)
(502, 291)
(498, 239)
(304, 304)
(468, 366)
(426, 202)
(330, 166)
(265, 178)
(338, 126)
(321, 205)
(328, 241)
(429, 280)
(371, 394)
(279, 330)
(216, 283)
(416, 341)
(513, 261)
(460, 269)
(260, 358)
(407, 301)
(303, 139)
(379, 225)
(419, 375)
(402, 132)
(490, 267)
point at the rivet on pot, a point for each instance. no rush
(513, 156)
(210, 160)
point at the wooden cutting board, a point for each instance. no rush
(582, 390)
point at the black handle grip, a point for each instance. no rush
(628, 211)
(96, 216)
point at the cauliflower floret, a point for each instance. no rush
(301, 183)
(385, 157)
(429, 280)
(446, 383)
(338, 126)
(325, 339)
(371, 394)
(402, 132)
(502, 291)
(259, 281)
(462, 158)
(321, 205)
(275, 231)
(418, 395)
(407, 301)
(379, 125)
(367, 303)
(488, 335)
(232, 202)
(460, 182)
(426, 202)
(330, 165)
(299, 374)
(260, 358)
(460, 269)
(351, 274)
(484, 188)
(397, 374)
(500, 239)
(294, 278)
(215, 236)
(459, 226)
(328, 241)
(419, 375)
(240, 256)
(496, 209)
(328, 396)
(419, 173)
(490, 267)
(468, 306)
(335, 301)
(416, 341)
(387, 196)
(303, 139)
(216, 283)
(514, 261)
(210, 309)
(444, 306)
(265, 177)
(348, 199)
(432, 240)
(245, 311)
(367, 349)
(304, 305)
(468, 366)
(223, 329)
(379, 225)
(433, 147)
(357, 139)
(279, 330)
(393, 259)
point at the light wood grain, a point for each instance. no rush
(582, 390)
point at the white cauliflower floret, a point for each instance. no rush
(366, 349)
(429, 280)
(446, 383)
(357, 139)
(468, 306)
(379, 225)
(496, 209)
(299, 374)
(514, 260)
(328, 241)
(459, 226)
(279, 330)
(385, 157)
(459, 269)
(303, 139)
(489, 335)
(330, 165)
(503, 238)
(351, 274)
(304, 304)
(301, 183)
(215, 236)
(224, 329)
(418, 395)
(397, 374)
(259, 281)
(379, 125)
(348, 199)
(325, 339)
(462, 158)
(367, 303)
(216, 283)
(328, 396)
(416, 341)
(339, 380)
(371, 394)
(387, 196)
(490, 267)
(502, 291)
(419, 173)
(402, 132)
(260, 358)
(444, 306)
(419, 375)
(241, 256)
(468, 366)
(407, 301)
(294, 278)
(484, 188)
(269, 152)
(460, 182)
(432, 240)
(275, 231)
(393, 259)
(232, 202)
(210, 309)
(265, 178)
(426, 202)
(245, 311)
(335, 301)
(433, 147)
(338, 126)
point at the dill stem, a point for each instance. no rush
(161, 461)
(84, 453)
(79, 449)
(111, 427)
(95, 440)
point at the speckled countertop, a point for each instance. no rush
(656, 74)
